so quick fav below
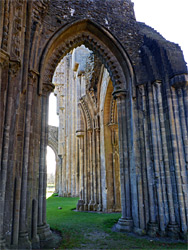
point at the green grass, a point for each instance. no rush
(93, 230)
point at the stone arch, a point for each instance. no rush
(86, 112)
(53, 139)
(96, 38)
(120, 69)
(53, 144)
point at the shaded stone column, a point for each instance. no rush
(24, 242)
(2, 3)
(155, 148)
(43, 229)
(4, 59)
(152, 225)
(172, 226)
(13, 77)
(177, 167)
(125, 223)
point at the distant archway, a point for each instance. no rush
(53, 144)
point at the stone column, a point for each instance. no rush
(4, 58)
(91, 202)
(115, 169)
(175, 154)
(57, 176)
(13, 73)
(43, 229)
(95, 205)
(152, 225)
(97, 131)
(60, 184)
(1, 20)
(80, 204)
(23, 240)
(172, 226)
(157, 176)
(125, 223)
(85, 172)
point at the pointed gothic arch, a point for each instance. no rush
(117, 62)
(96, 38)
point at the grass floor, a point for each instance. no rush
(82, 230)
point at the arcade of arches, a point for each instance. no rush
(87, 120)
(127, 89)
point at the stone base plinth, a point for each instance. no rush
(23, 241)
(139, 231)
(80, 205)
(152, 229)
(95, 207)
(184, 236)
(90, 206)
(124, 225)
(2, 244)
(99, 209)
(45, 234)
(85, 207)
(173, 231)
(35, 242)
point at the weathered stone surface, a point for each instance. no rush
(149, 83)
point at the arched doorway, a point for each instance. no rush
(51, 172)
(119, 67)
(35, 35)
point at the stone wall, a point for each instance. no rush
(77, 81)
(150, 85)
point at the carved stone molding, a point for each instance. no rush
(119, 93)
(87, 113)
(15, 66)
(33, 76)
(93, 43)
(47, 88)
(4, 58)
(179, 81)
(80, 133)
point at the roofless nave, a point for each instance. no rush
(147, 78)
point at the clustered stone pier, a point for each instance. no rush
(142, 130)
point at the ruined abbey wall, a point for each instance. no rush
(82, 111)
(150, 85)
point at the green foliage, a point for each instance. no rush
(93, 230)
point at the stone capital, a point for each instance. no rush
(113, 126)
(179, 81)
(33, 75)
(119, 93)
(15, 66)
(80, 134)
(47, 88)
(157, 82)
